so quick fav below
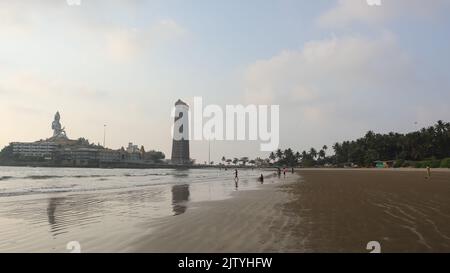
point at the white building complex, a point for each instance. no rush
(61, 150)
(34, 149)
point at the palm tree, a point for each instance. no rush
(235, 161)
(289, 157)
(297, 157)
(279, 154)
(244, 160)
(304, 155)
(272, 156)
(313, 153)
(322, 154)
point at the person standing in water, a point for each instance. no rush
(236, 179)
(261, 179)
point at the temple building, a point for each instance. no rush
(71, 152)
(61, 151)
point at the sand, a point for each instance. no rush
(342, 210)
(251, 221)
(317, 211)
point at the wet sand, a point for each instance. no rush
(43, 209)
(342, 210)
(251, 221)
(317, 211)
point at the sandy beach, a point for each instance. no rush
(109, 210)
(312, 210)
(342, 210)
(251, 221)
(318, 211)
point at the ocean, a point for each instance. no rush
(44, 209)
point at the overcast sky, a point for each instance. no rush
(336, 68)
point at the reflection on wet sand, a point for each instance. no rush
(53, 203)
(44, 214)
(64, 213)
(180, 196)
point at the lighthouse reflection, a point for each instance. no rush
(180, 197)
(53, 203)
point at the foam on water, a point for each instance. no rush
(17, 181)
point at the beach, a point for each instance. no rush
(252, 221)
(104, 210)
(319, 211)
(312, 210)
(342, 210)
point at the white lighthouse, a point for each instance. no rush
(180, 144)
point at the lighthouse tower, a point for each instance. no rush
(180, 143)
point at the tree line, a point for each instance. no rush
(428, 146)
(432, 143)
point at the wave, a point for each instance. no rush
(71, 189)
(144, 175)
(38, 177)
(101, 176)
(5, 177)
(122, 181)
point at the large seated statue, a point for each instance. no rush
(58, 131)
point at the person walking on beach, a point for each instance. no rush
(261, 179)
(236, 179)
(292, 170)
(284, 172)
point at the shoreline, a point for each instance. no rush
(131, 165)
(105, 211)
(135, 166)
(313, 210)
(241, 223)
(317, 210)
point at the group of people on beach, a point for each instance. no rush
(279, 171)
(284, 171)
(261, 178)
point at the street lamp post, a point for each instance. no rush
(104, 136)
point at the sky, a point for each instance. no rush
(336, 68)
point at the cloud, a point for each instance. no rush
(58, 28)
(24, 87)
(347, 12)
(72, 59)
(342, 87)
(123, 44)
(329, 68)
